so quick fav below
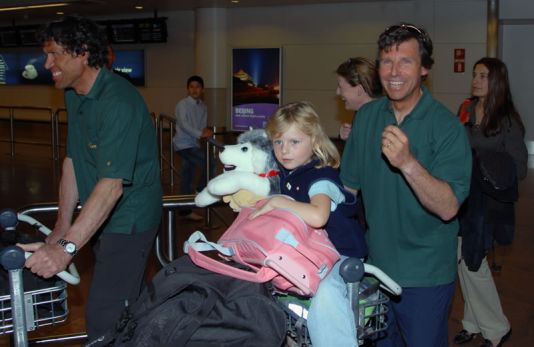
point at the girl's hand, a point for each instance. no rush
(277, 201)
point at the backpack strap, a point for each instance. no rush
(199, 242)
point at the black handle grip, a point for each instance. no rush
(351, 270)
(8, 219)
(12, 258)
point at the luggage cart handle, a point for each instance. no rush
(71, 275)
(353, 269)
(386, 282)
(8, 221)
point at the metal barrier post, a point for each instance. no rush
(160, 142)
(53, 130)
(208, 177)
(171, 152)
(12, 130)
(170, 122)
(170, 235)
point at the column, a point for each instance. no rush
(211, 60)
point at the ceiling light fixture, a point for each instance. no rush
(235, 1)
(138, 7)
(28, 7)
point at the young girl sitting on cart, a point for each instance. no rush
(308, 163)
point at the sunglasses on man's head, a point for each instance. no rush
(407, 27)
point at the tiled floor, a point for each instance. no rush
(31, 177)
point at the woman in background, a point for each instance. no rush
(495, 130)
(357, 84)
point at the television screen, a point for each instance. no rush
(131, 65)
(28, 67)
(23, 68)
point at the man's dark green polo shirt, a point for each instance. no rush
(415, 247)
(111, 135)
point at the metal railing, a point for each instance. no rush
(165, 245)
(164, 121)
(56, 134)
(12, 113)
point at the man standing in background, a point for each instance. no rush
(191, 125)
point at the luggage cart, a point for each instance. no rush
(22, 311)
(366, 297)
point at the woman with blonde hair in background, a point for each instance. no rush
(357, 84)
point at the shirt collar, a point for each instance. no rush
(420, 109)
(193, 101)
(285, 172)
(100, 83)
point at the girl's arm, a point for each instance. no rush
(315, 213)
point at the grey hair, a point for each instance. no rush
(258, 138)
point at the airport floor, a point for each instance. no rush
(31, 176)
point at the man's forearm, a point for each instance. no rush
(434, 194)
(68, 198)
(95, 211)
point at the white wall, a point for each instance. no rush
(516, 9)
(517, 30)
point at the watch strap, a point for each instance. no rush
(64, 243)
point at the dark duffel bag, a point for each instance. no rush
(186, 305)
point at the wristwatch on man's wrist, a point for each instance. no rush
(68, 246)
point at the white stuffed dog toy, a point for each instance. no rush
(249, 166)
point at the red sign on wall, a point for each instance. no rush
(459, 60)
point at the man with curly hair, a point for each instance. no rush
(111, 168)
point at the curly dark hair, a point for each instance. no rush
(78, 35)
(397, 34)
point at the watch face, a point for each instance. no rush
(70, 247)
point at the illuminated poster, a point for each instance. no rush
(255, 86)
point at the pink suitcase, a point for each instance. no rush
(276, 246)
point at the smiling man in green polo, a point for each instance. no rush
(111, 168)
(411, 159)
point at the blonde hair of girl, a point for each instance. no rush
(303, 115)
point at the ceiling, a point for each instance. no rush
(117, 7)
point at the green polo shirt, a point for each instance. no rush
(413, 246)
(111, 135)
